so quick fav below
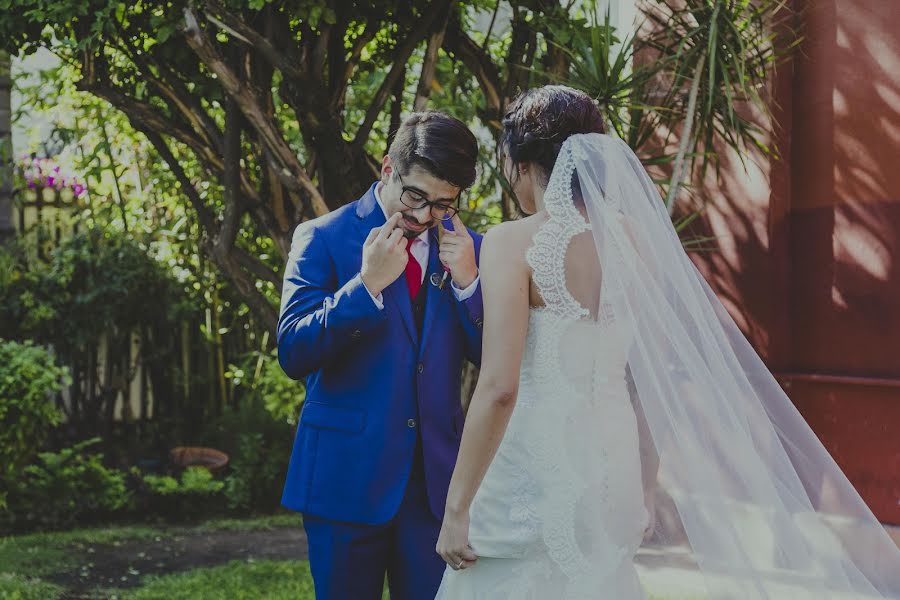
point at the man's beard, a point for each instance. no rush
(414, 234)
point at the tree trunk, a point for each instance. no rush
(7, 229)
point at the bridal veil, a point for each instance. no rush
(746, 496)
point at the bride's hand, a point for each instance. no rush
(453, 542)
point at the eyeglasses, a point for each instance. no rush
(412, 198)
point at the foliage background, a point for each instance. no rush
(204, 131)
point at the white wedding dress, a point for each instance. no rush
(749, 504)
(560, 512)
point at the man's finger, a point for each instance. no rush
(372, 235)
(395, 237)
(468, 554)
(391, 224)
(458, 225)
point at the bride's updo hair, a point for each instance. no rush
(539, 121)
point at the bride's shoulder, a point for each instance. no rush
(518, 231)
(511, 239)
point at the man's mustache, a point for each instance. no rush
(413, 220)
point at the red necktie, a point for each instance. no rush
(413, 271)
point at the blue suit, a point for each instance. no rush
(379, 431)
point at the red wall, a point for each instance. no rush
(810, 244)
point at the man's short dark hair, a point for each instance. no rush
(439, 144)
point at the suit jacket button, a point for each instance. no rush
(479, 323)
(411, 423)
(357, 334)
(421, 368)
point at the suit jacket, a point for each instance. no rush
(372, 385)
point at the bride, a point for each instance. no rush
(620, 413)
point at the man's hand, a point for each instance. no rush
(384, 256)
(458, 254)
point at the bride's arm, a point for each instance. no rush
(504, 283)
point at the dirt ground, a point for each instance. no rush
(122, 565)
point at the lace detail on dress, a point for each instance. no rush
(522, 507)
(547, 254)
(547, 258)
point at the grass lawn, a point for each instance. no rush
(44, 566)
(226, 559)
(275, 580)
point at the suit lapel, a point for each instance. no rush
(433, 293)
(396, 295)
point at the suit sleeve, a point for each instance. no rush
(318, 318)
(471, 314)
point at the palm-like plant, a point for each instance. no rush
(723, 51)
(697, 62)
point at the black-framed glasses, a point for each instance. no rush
(413, 198)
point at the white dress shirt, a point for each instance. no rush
(419, 250)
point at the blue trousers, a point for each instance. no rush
(349, 561)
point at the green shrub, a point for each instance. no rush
(259, 378)
(194, 480)
(257, 473)
(258, 446)
(28, 378)
(66, 487)
(197, 493)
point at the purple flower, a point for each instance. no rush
(50, 181)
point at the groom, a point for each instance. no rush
(380, 335)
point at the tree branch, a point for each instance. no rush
(320, 49)
(402, 54)
(205, 216)
(336, 58)
(396, 109)
(171, 88)
(350, 64)
(255, 266)
(143, 112)
(230, 263)
(222, 18)
(460, 45)
(523, 38)
(287, 165)
(246, 286)
(429, 63)
(231, 178)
